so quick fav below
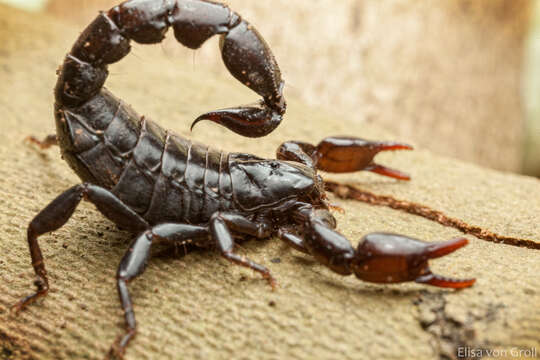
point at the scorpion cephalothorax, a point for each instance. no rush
(163, 187)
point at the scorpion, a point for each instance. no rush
(163, 187)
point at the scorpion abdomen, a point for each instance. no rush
(193, 183)
(159, 175)
(97, 138)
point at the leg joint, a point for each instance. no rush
(84, 189)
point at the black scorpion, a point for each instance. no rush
(162, 186)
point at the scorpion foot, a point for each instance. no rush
(118, 348)
(247, 121)
(46, 143)
(273, 283)
(42, 290)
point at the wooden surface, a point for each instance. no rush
(202, 307)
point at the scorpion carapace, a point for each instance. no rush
(164, 187)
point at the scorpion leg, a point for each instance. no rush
(220, 226)
(380, 257)
(46, 143)
(293, 240)
(133, 264)
(58, 212)
(342, 154)
(290, 235)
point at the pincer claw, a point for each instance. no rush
(342, 154)
(347, 154)
(391, 258)
(444, 282)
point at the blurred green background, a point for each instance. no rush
(458, 77)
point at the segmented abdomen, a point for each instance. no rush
(194, 182)
(160, 175)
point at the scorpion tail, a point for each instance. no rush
(246, 121)
(245, 54)
(249, 59)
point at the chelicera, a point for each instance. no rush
(163, 187)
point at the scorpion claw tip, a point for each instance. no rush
(445, 282)
(385, 171)
(391, 146)
(389, 172)
(442, 248)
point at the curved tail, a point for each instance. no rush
(245, 54)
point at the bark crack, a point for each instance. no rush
(351, 192)
(453, 338)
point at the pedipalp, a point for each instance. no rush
(378, 258)
(343, 154)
